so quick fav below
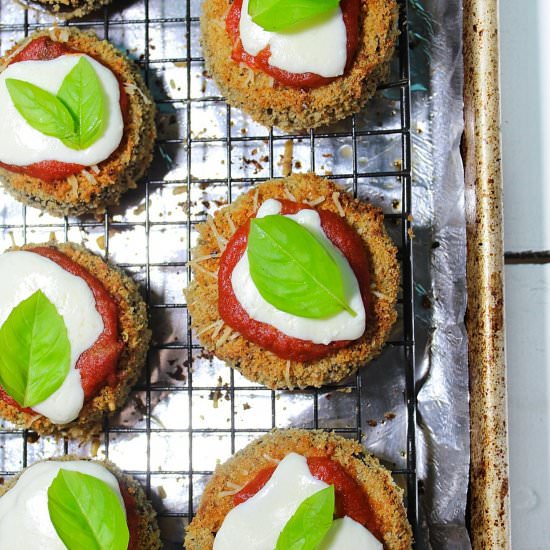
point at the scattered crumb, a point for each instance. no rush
(286, 161)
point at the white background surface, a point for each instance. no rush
(525, 44)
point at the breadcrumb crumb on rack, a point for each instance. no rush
(288, 156)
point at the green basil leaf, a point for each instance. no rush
(36, 352)
(87, 513)
(41, 109)
(82, 93)
(282, 15)
(310, 523)
(293, 270)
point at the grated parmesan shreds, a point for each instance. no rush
(132, 88)
(230, 222)
(222, 241)
(289, 195)
(256, 193)
(287, 376)
(89, 177)
(315, 202)
(63, 35)
(225, 335)
(205, 258)
(95, 168)
(233, 490)
(379, 295)
(271, 459)
(249, 74)
(213, 274)
(336, 200)
(218, 328)
(73, 182)
(234, 336)
(219, 323)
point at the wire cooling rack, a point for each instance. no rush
(190, 411)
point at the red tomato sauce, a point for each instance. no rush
(132, 516)
(342, 235)
(351, 10)
(97, 364)
(351, 500)
(46, 49)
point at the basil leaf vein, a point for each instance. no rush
(41, 109)
(36, 352)
(87, 513)
(310, 523)
(82, 93)
(293, 270)
(284, 15)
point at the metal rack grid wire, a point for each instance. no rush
(155, 388)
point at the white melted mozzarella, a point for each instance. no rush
(319, 49)
(24, 518)
(22, 273)
(342, 326)
(347, 533)
(21, 145)
(257, 523)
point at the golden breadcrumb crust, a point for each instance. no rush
(94, 189)
(385, 497)
(65, 9)
(133, 331)
(291, 109)
(251, 360)
(148, 531)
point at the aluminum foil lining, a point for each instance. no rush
(189, 412)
